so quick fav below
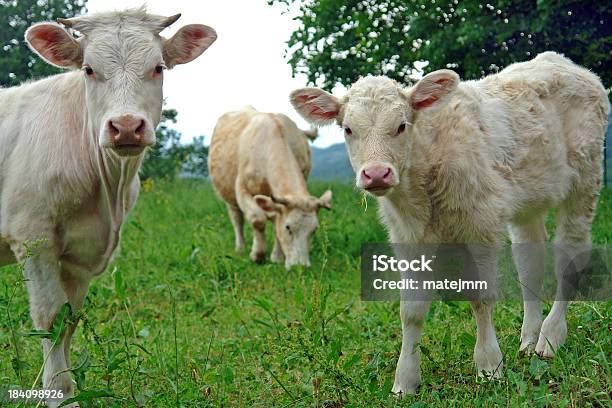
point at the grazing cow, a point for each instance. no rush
(259, 163)
(71, 146)
(455, 162)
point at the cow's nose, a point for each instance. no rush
(377, 178)
(126, 130)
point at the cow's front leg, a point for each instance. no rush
(258, 251)
(408, 370)
(277, 252)
(487, 355)
(47, 296)
(75, 286)
(257, 218)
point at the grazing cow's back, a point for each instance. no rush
(458, 162)
(267, 133)
(259, 163)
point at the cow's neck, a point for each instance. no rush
(117, 176)
(118, 179)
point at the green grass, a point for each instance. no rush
(179, 319)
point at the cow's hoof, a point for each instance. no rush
(528, 343)
(400, 391)
(528, 347)
(258, 257)
(529, 336)
(552, 337)
(488, 359)
(277, 258)
(491, 373)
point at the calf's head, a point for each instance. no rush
(377, 116)
(122, 58)
(295, 220)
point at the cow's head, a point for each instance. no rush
(295, 220)
(377, 115)
(122, 58)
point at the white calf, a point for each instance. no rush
(456, 162)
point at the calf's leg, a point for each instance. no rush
(529, 250)
(408, 370)
(487, 355)
(413, 309)
(572, 253)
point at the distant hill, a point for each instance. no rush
(331, 163)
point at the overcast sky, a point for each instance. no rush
(245, 66)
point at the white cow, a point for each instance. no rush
(259, 163)
(71, 146)
(456, 162)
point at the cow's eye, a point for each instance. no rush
(348, 131)
(288, 228)
(88, 70)
(401, 128)
(159, 69)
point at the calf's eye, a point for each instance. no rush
(288, 228)
(401, 128)
(348, 131)
(159, 69)
(88, 70)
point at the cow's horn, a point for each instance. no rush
(170, 20)
(66, 22)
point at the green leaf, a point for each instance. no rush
(537, 367)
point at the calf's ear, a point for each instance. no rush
(315, 105)
(188, 43)
(54, 45)
(433, 87)
(325, 200)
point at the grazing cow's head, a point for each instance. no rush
(295, 220)
(122, 58)
(377, 116)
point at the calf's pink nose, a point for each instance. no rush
(377, 177)
(126, 130)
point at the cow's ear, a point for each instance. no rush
(433, 87)
(267, 204)
(188, 44)
(325, 200)
(54, 45)
(315, 105)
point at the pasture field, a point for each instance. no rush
(179, 319)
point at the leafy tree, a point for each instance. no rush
(340, 41)
(169, 158)
(17, 61)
